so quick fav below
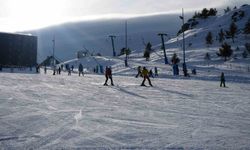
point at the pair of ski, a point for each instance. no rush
(114, 85)
(108, 85)
(146, 85)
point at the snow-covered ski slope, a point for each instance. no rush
(40, 111)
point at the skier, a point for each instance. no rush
(67, 66)
(69, 72)
(62, 67)
(108, 75)
(54, 71)
(45, 70)
(194, 71)
(59, 70)
(80, 69)
(72, 68)
(97, 69)
(177, 69)
(222, 80)
(145, 75)
(156, 71)
(138, 72)
(37, 69)
(150, 74)
(101, 69)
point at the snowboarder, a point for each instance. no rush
(72, 68)
(222, 80)
(80, 69)
(138, 72)
(145, 75)
(108, 75)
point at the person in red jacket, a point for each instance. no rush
(108, 75)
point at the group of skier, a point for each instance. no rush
(141, 72)
(144, 73)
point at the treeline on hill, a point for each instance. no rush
(225, 51)
(205, 13)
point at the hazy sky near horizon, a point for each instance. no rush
(29, 14)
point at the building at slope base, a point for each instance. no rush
(18, 50)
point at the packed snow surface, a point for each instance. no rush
(39, 111)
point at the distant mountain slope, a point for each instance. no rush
(71, 37)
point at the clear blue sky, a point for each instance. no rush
(29, 14)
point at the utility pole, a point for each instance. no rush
(183, 45)
(54, 43)
(163, 46)
(126, 43)
(126, 34)
(113, 45)
(54, 60)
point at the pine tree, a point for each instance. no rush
(247, 27)
(233, 30)
(212, 12)
(221, 36)
(122, 52)
(209, 38)
(196, 15)
(227, 9)
(204, 13)
(225, 51)
(175, 59)
(127, 51)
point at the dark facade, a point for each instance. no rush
(18, 50)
